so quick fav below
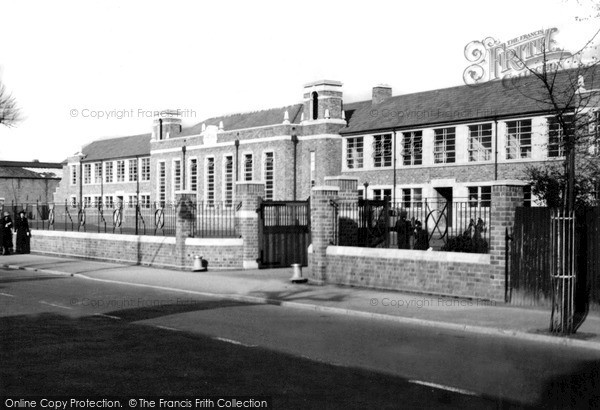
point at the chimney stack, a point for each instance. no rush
(381, 93)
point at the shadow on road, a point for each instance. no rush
(579, 389)
(29, 279)
(54, 355)
(276, 297)
(157, 308)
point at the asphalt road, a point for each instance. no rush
(68, 335)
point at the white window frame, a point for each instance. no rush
(207, 191)
(269, 192)
(477, 139)
(444, 145)
(354, 153)
(73, 174)
(383, 150)
(87, 173)
(409, 136)
(515, 145)
(245, 156)
(120, 175)
(176, 185)
(98, 172)
(109, 165)
(135, 174)
(192, 175)
(161, 181)
(228, 199)
(143, 169)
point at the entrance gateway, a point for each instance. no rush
(284, 234)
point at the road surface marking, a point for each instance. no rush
(443, 387)
(108, 316)
(7, 294)
(234, 342)
(52, 304)
(167, 328)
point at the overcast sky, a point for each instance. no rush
(65, 60)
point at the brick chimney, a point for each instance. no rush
(381, 93)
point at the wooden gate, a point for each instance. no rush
(285, 231)
(530, 255)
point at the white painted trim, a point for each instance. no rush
(429, 256)
(247, 214)
(250, 265)
(214, 241)
(106, 236)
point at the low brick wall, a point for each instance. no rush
(443, 273)
(145, 250)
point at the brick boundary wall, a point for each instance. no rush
(156, 251)
(444, 273)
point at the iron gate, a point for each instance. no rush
(285, 231)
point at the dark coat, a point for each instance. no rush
(421, 239)
(6, 225)
(23, 234)
(403, 229)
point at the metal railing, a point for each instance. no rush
(212, 220)
(460, 226)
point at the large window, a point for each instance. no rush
(480, 142)
(354, 152)
(108, 172)
(556, 135)
(176, 175)
(162, 184)
(444, 145)
(98, 172)
(248, 167)
(210, 181)
(412, 148)
(87, 174)
(145, 201)
(133, 170)
(145, 169)
(228, 173)
(382, 150)
(480, 196)
(120, 171)
(412, 197)
(193, 174)
(269, 175)
(380, 194)
(518, 139)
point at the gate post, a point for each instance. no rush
(322, 230)
(506, 197)
(250, 195)
(184, 227)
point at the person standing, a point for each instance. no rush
(23, 233)
(403, 229)
(421, 237)
(7, 227)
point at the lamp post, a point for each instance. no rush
(183, 149)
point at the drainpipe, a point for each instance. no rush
(394, 162)
(137, 192)
(237, 151)
(295, 142)
(183, 149)
(495, 149)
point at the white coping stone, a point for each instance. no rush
(141, 238)
(325, 188)
(214, 241)
(333, 178)
(250, 265)
(430, 256)
(509, 182)
(186, 192)
(247, 214)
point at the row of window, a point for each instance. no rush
(210, 175)
(112, 201)
(112, 171)
(478, 196)
(518, 144)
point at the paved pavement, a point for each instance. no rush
(273, 286)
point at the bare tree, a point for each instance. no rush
(10, 114)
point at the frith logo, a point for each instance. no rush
(492, 60)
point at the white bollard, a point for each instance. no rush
(198, 264)
(297, 277)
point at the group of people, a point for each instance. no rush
(21, 227)
(405, 228)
